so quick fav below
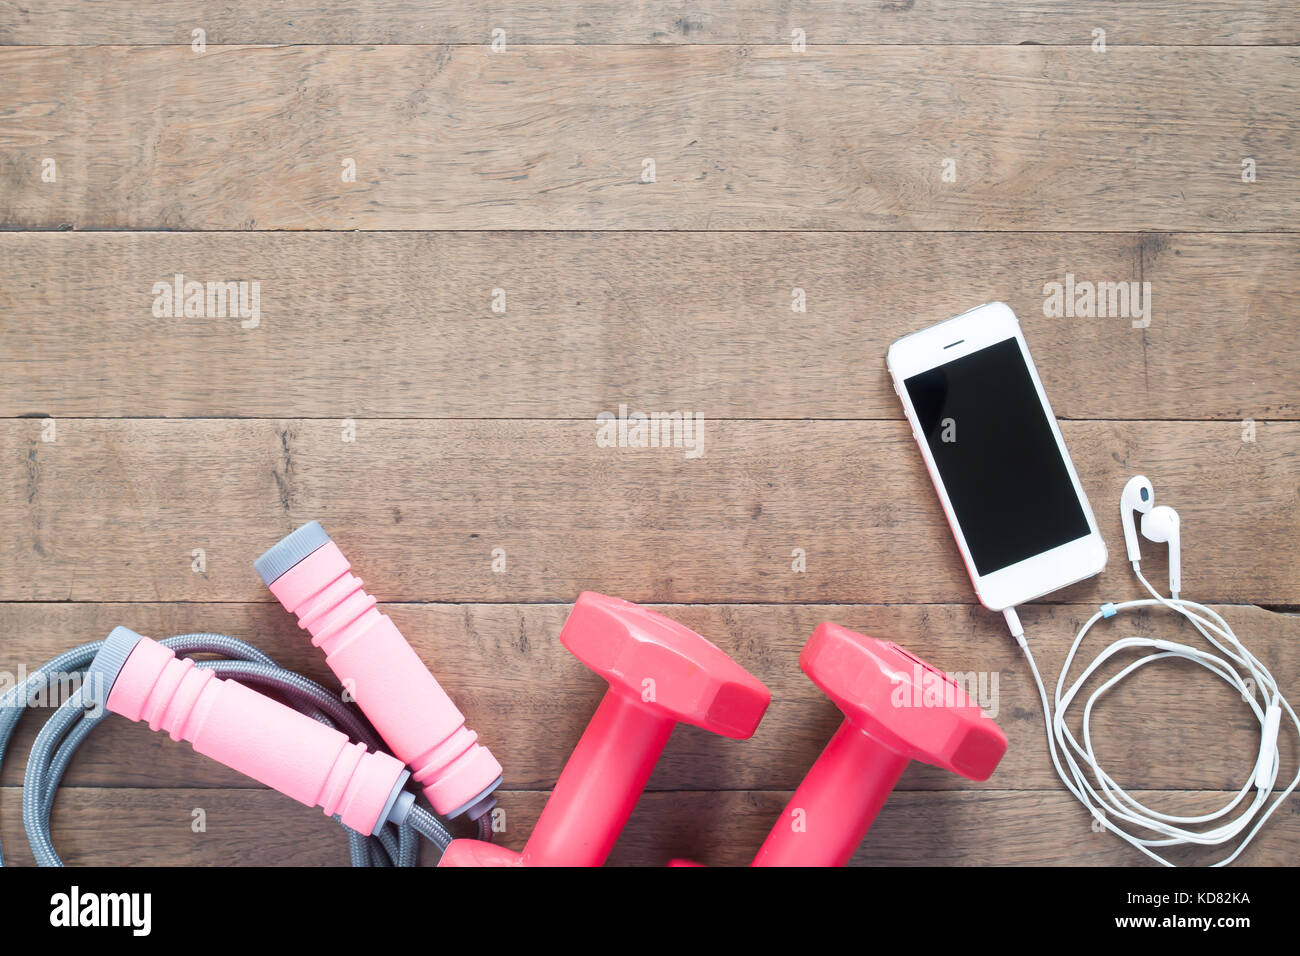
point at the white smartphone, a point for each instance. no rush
(996, 456)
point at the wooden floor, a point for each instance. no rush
(382, 393)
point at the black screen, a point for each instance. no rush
(997, 456)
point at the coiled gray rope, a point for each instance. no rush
(74, 719)
(426, 824)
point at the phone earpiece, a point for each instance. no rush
(1138, 495)
(1161, 526)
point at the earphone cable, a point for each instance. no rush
(1112, 806)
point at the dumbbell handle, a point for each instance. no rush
(600, 784)
(836, 803)
(249, 732)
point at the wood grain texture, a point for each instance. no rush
(554, 137)
(114, 827)
(1174, 22)
(529, 699)
(521, 170)
(113, 509)
(401, 325)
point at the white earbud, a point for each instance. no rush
(1138, 496)
(1161, 526)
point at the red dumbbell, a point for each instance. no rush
(897, 708)
(660, 674)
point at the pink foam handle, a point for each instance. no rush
(390, 683)
(260, 737)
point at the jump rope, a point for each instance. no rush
(319, 746)
(74, 719)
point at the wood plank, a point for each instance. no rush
(401, 325)
(554, 137)
(118, 827)
(530, 700)
(112, 510)
(602, 21)
(925, 828)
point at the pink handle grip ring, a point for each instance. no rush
(249, 732)
(897, 708)
(309, 575)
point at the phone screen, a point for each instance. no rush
(996, 454)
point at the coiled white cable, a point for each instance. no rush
(1107, 801)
